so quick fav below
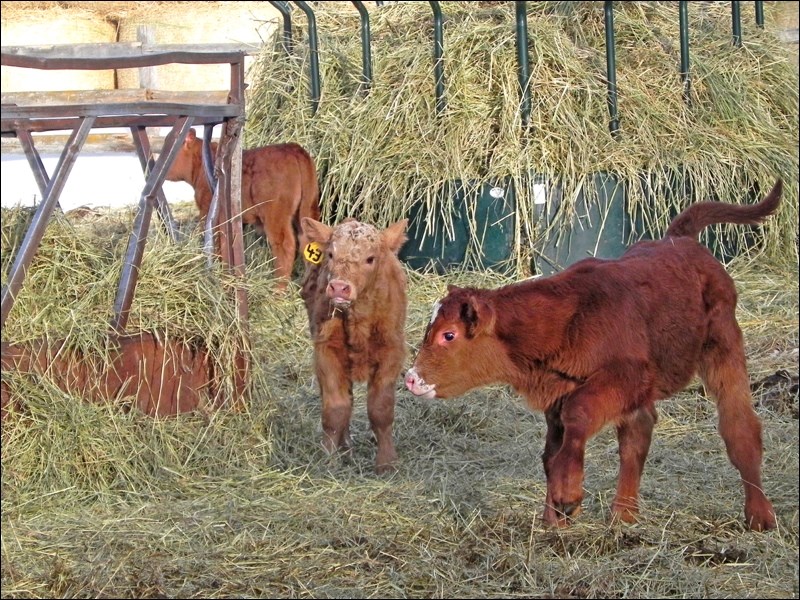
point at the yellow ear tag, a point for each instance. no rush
(313, 253)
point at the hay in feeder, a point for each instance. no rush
(382, 150)
(70, 288)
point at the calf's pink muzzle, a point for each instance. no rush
(340, 292)
(417, 386)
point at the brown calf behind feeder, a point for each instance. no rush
(163, 376)
(279, 187)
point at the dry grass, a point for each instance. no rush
(96, 503)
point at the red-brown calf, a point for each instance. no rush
(355, 295)
(164, 376)
(279, 187)
(600, 343)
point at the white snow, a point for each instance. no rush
(101, 179)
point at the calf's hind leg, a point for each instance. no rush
(380, 409)
(283, 244)
(724, 372)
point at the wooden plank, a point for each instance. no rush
(96, 142)
(56, 118)
(9, 128)
(122, 109)
(112, 97)
(121, 55)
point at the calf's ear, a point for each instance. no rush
(316, 231)
(395, 235)
(479, 317)
(191, 136)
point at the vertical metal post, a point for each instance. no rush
(314, 52)
(611, 67)
(736, 19)
(284, 8)
(438, 52)
(522, 60)
(366, 55)
(684, 32)
(212, 217)
(760, 13)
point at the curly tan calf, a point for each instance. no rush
(356, 302)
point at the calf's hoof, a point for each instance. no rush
(759, 515)
(624, 511)
(761, 522)
(385, 469)
(385, 462)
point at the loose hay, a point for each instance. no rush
(99, 503)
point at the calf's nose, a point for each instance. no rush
(410, 379)
(339, 290)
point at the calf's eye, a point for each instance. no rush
(370, 260)
(449, 336)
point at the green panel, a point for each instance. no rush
(438, 234)
(472, 225)
(598, 226)
(495, 225)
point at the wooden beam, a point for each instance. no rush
(120, 55)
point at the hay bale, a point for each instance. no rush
(380, 153)
(55, 25)
(783, 18)
(248, 23)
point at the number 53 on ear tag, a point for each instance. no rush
(313, 253)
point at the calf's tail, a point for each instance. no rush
(702, 214)
(309, 197)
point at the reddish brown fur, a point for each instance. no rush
(356, 303)
(165, 377)
(279, 186)
(600, 343)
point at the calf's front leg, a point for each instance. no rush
(337, 403)
(634, 434)
(553, 441)
(582, 414)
